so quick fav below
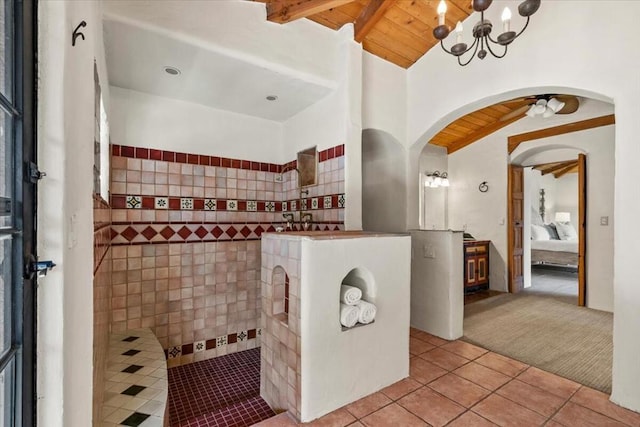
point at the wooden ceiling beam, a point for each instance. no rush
(566, 170)
(559, 166)
(481, 133)
(516, 140)
(283, 11)
(369, 17)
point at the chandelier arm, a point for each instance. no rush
(494, 54)
(473, 55)
(523, 28)
(468, 49)
(444, 48)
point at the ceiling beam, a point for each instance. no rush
(559, 166)
(369, 17)
(516, 140)
(283, 11)
(566, 170)
(481, 133)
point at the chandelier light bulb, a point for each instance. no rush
(442, 9)
(506, 19)
(459, 30)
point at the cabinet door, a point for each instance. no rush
(470, 276)
(482, 269)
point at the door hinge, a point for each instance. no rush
(34, 174)
(35, 267)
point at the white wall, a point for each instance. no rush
(384, 96)
(65, 219)
(434, 216)
(591, 63)
(566, 197)
(383, 177)
(142, 120)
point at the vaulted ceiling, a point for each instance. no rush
(558, 169)
(399, 31)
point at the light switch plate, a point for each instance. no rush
(604, 220)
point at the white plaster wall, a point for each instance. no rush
(483, 215)
(65, 219)
(595, 63)
(384, 100)
(437, 298)
(241, 29)
(339, 367)
(383, 176)
(143, 120)
(566, 197)
(434, 200)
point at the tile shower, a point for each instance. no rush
(185, 242)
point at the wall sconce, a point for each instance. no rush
(436, 179)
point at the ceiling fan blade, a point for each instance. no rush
(571, 104)
(515, 113)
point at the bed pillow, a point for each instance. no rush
(566, 231)
(538, 232)
(553, 232)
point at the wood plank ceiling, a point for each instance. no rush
(399, 31)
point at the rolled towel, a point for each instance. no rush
(350, 294)
(348, 315)
(366, 312)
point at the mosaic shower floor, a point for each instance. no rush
(220, 392)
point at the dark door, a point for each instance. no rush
(17, 213)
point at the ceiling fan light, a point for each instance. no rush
(540, 106)
(548, 112)
(555, 105)
(531, 112)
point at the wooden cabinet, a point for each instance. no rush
(476, 265)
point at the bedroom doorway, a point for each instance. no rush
(552, 214)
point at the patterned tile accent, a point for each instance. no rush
(252, 205)
(284, 206)
(174, 352)
(199, 346)
(161, 203)
(314, 203)
(341, 201)
(135, 419)
(134, 202)
(186, 232)
(242, 335)
(327, 202)
(232, 205)
(221, 341)
(186, 203)
(209, 204)
(133, 390)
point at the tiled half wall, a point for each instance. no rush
(101, 297)
(186, 242)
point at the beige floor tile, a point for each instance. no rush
(367, 405)
(459, 390)
(572, 415)
(552, 383)
(433, 408)
(444, 359)
(502, 364)
(464, 349)
(393, 415)
(506, 413)
(483, 376)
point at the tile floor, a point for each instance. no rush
(458, 384)
(219, 392)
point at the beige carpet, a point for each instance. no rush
(571, 341)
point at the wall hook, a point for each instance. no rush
(77, 33)
(483, 187)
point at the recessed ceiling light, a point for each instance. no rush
(271, 98)
(172, 70)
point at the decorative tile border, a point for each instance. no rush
(198, 159)
(330, 201)
(185, 232)
(199, 346)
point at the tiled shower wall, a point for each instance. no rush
(186, 242)
(101, 297)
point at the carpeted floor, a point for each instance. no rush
(545, 332)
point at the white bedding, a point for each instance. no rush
(555, 245)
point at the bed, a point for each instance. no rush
(556, 252)
(555, 244)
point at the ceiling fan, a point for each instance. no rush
(543, 105)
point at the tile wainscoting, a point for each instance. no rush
(185, 242)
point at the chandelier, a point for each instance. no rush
(482, 30)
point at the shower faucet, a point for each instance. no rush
(289, 218)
